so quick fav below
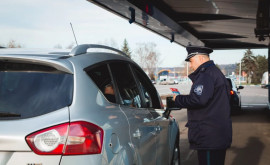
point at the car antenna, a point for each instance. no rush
(73, 33)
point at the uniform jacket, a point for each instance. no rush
(208, 107)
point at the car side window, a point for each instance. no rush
(126, 84)
(150, 95)
(101, 76)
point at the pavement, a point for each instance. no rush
(187, 156)
(251, 138)
(251, 129)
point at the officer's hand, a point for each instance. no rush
(174, 96)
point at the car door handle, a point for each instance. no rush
(158, 128)
(137, 134)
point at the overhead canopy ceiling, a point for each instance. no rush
(219, 24)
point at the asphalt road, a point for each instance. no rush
(251, 129)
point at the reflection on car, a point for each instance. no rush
(235, 99)
(54, 110)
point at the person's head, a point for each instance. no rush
(197, 56)
(198, 60)
(108, 89)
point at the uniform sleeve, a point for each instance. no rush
(201, 92)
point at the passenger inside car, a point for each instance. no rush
(109, 93)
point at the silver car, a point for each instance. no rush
(81, 107)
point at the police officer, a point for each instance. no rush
(209, 124)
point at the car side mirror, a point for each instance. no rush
(240, 87)
(170, 107)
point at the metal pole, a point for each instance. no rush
(174, 72)
(156, 74)
(240, 74)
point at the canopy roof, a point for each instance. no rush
(219, 24)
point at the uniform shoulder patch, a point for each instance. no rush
(198, 89)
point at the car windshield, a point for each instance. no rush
(31, 92)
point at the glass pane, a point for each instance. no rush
(33, 93)
(126, 84)
(101, 76)
(150, 94)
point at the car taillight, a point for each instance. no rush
(84, 138)
(76, 138)
(232, 92)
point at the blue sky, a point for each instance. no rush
(44, 24)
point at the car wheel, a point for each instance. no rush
(176, 152)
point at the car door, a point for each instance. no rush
(162, 124)
(141, 122)
(116, 129)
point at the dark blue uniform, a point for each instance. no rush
(209, 124)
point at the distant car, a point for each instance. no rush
(235, 97)
(153, 81)
(166, 82)
(264, 83)
(175, 81)
(265, 86)
(55, 108)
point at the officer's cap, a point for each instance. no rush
(194, 50)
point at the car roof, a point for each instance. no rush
(62, 59)
(34, 53)
(37, 56)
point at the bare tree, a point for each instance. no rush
(71, 45)
(58, 46)
(148, 57)
(13, 44)
(111, 43)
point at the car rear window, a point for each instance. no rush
(28, 90)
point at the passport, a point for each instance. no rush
(175, 91)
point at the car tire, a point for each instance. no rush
(176, 152)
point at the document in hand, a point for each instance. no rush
(175, 91)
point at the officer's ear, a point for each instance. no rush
(205, 58)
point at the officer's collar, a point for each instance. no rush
(202, 68)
